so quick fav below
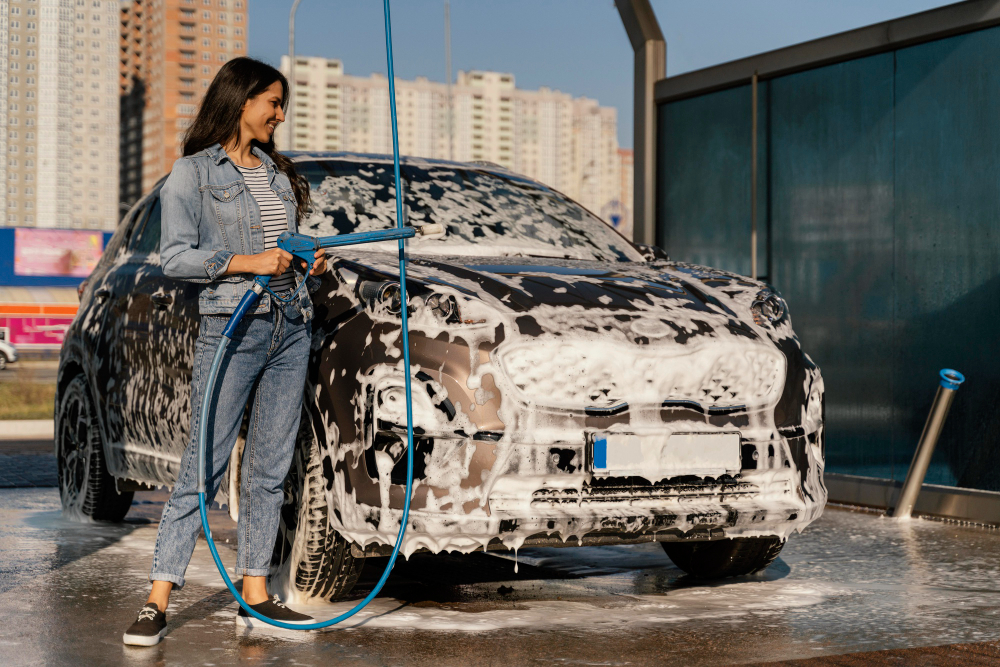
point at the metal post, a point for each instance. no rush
(290, 119)
(650, 66)
(447, 67)
(950, 381)
(753, 177)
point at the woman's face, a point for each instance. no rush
(262, 114)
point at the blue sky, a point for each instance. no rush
(576, 46)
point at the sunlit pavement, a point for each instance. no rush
(853, 582)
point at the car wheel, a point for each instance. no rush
(310, 558)
(86, 488)
(3, 361)
(724, 558)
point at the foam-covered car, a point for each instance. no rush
(569, 387)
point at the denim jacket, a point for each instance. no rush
(209, 216)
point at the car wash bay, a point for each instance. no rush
(878, 209)
(853, 582)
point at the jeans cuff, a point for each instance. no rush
(177, 581)
(251, 572)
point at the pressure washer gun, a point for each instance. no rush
(304, 247)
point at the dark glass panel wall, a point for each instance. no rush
(881, 190)
(948, 244)
(832, 240)
(704, 187)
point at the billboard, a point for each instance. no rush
(35, 331)
(56, 252)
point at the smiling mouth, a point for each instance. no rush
(272, 125)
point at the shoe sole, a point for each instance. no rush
(252, 623)
(143, 640)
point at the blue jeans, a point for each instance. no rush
(266, 360)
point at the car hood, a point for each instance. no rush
(645, 302)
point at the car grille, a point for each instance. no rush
(628, 490)
(580, 374)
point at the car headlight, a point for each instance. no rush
(444, 306)
(768, 308)
(384, 298)
(381, 296)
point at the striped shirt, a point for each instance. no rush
(272, 218)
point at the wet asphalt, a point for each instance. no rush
(27, 463)
(852, 583)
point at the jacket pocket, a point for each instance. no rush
(223, 291)
(229, 208)
(223, 298)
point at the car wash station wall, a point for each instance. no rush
(879, 217)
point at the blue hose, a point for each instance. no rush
(249, 299)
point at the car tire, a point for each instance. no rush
(718, 559)
(310, 560)
(3, 361)
(86, 489)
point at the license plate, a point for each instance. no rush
(657, 456)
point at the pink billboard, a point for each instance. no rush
(39, 331)
(56, 252)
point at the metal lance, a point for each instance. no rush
(950, 382)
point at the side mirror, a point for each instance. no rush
(652, 253)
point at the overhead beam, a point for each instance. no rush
(650, 66)
(955, 19)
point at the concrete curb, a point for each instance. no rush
(20, 429)
(947, 502)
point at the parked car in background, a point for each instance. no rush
(8, 354)
(569, 387)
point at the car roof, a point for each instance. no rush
(476, 165)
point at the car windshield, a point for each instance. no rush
(484, 213)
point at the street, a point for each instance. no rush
(31, 371)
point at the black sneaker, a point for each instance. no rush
(273, 608)
(148, 628)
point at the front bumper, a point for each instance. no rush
(580, 509)
(533, 483)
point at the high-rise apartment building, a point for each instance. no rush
(565, 142)
(626, 185)
(170, 51)
(59, 116)
(4, 76)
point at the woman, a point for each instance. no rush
(224, 205)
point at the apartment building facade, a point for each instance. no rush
(59, 119)
(170, 52)
(626, 158)
(565, 142)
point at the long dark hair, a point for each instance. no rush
(218, 120)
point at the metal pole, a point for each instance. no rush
(447, 65)
(950, 381)
(650, 66)
(753, 177)
(290, 119)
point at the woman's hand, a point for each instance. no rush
(271, 262)
(319, 263)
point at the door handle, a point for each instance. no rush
(102, 294)
(161, 299)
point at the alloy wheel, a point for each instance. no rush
(74, 449)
